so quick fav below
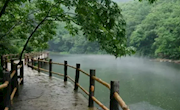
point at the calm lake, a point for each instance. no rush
(144, 84)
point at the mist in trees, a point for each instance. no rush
(153, 29)
(32, 23)
(78, 44)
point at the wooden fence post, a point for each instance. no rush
(12, 65)
(91, 88)
(41, 64)
(50, 68)
(16, 80)
(22, 73)
(17, 56)
(13, 78)
(38, 65)
(25, 59)
(32, 61)
(2, 61)
(65, 71)
(28, 61)
(7, 93)
(114, 105)
(76, 77)
(6, 63)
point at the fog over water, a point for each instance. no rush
(144, 84)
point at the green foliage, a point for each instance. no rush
(99, 21)
(63, 42)
(154, 29)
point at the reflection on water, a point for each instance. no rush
(144, 84)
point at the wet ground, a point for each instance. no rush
(39, 92)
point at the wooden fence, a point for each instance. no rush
(11, 79)
(115, 99)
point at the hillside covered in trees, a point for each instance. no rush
(153, 29)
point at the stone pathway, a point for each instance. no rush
(39, 92)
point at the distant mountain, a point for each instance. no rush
(122, 0)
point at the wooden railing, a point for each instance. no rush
(11, 78)
(41, 55)
(115, 99)
(6, 58)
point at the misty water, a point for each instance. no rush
(144, 84)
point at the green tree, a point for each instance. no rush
(157, 33)
(100, 21)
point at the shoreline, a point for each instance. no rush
(153, 59)
(166, 60)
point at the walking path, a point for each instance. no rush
(39, 92)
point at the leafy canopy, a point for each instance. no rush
(154, 29)
(99, 20)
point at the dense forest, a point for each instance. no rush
(153, 29)
(28, 25)
(66, 43)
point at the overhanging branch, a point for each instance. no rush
(4, 8)
(20, 58)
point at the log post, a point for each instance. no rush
(17, 56)
(13, 78)
(50, 68)
(65, 71)
(25, 59)
(41, 64)
(91, 88)
(76, 77)
(28, 61)
(6, 63)
(32, 61)
(16, 80)
(22, 73)
(2, 61)
(12, 65)
(114, 105)
(7, 91)
(2, 65)
(38, 65)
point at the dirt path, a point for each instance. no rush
(39, 92)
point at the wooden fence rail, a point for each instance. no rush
(115, 99)
(12, 79)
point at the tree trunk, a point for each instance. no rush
(20, 58)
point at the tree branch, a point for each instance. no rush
(18, 23)
(4, 8)
(11, 29)
(20, 58)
